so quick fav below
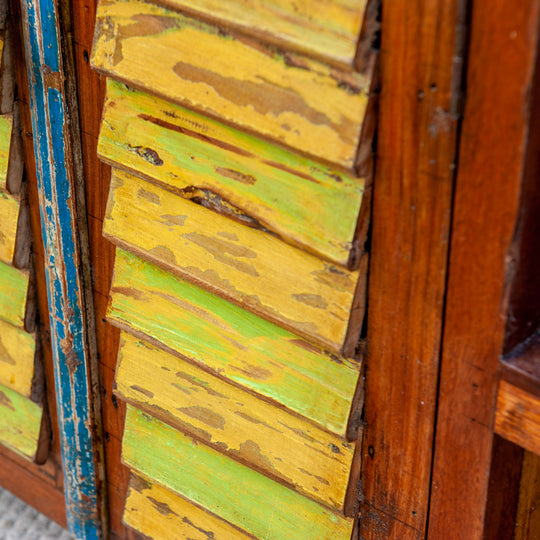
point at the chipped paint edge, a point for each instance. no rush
(69, 334)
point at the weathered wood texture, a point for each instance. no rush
(39, 485)
(13, 292)
(6, 127)
(11, 152)
(502, 40)
(22, 426)
(17, 351)
(518, 416)
(232, 343)
(528, 515)
(330, 30)
(9, 217)
(304, 202)
(91, 89)
(54, 123)
(7, 69)
(417, 131)
(234, 422)
(251, 268)
(241, 496)
(160, 514)
(288, 98)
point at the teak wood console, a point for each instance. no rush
(268, 268)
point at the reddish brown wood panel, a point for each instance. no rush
(502, 56)
(413, 185)
(33, 486)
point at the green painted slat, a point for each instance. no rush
(20, 423)
(13, 289)
(306, 203)
(231, 342)
(232, 491)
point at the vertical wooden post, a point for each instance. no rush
(65, 278)
(493, 149)
(421, 56)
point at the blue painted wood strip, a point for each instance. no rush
(63, 268)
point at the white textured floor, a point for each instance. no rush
(18, 521)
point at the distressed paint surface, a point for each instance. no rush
(6, 126)
(232, 343)
(17, 349)
(13, 290)
(160, 514)
(308, 296)
(288, 98)
(20, 423)
(306, 203)
(234, 422)
(79, 436)
(230, 490)
(327, 29)
(9, 215)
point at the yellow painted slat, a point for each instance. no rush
(6, 126)
(288, 98)
(234, 422)
(251, 268)
(160, 514)
(9, 215)
(234, 492)
(327, 29)
(13, 291)
(20, 423)
(306, 203)
(232, 343)
(17, 349)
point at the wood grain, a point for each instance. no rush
(421, 59)
(251, 268)
(286, 97)
(160, 514)
(518, 416)
(13, 291)
(486, 205)
(7, 72)
(20, 423)
(232, 343)
(17, 350)
(304, 202)
(528, 514)
(234, 422)
(329, 30)
(253, 502)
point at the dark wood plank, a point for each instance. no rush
(413, 184)
(503, 40)
(503, 490)
(521, 367)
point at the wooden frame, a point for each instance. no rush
(438, 276)
(419, 109)
(69, 308)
